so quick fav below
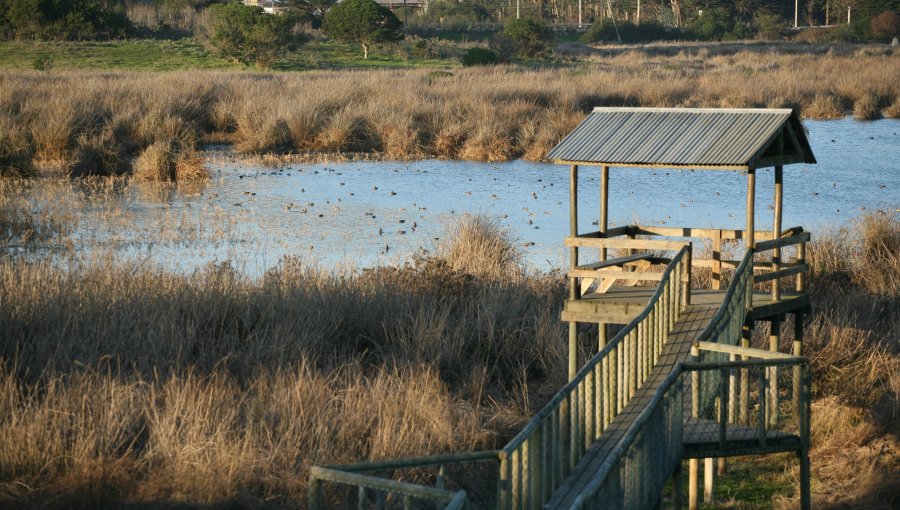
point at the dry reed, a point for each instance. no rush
(485, 114)
(126, 384)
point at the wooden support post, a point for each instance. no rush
(573, 349)
(676, 487)
(693, 475)
(604, 206)
(708, 480)
(314, 494)
(798, 351)
(806, 397)
(774, 337)
(750, 233)
(603, 227)
(574, 291)
(744, 407)
(717, 261)
(776, 230)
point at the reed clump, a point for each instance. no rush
(495, 114)
(126, 384)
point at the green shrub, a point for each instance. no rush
(248, 35)
(61, 19)
(479, 57)
(364, 22)
(531, 36)
(505, 46)
(770, 26)
(631, 33)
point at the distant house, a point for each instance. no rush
(270, 6)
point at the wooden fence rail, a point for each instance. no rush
(535, 462)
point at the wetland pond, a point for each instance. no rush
(363, 214)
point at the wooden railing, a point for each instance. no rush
(375, 487)
(535, 462)
(623, 238)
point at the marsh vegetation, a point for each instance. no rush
(123, 383)
(78, 123)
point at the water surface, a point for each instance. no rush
(368, 213)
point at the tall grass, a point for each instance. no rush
(121, 383)
(124, 384)
(483, 114)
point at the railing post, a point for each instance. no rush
(805, 502)
(503, 485)
(717, 261)
(746, 335)
(774, 337)
(676, 487)
(776, 229)
(361, 498)
(686, 298)
(798, 351)
(314, 494)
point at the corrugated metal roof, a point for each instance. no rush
(701, 137)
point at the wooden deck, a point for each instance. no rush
(620, 305)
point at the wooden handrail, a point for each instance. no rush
(744, 351)
(635, 244)
(803, 237)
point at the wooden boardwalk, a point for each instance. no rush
(621, 304)
(693, 322)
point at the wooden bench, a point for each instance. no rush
(597, 270)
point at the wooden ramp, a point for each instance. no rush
(621, 304)
(687, 330)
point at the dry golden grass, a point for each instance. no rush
(484, 114)
(125, 384)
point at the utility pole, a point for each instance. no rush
(848, 14)
(517, 9)
(638, 20)
(796, 10)
(579, 13)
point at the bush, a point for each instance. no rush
(631, 33)
(456, 13)
(248, 35)
(769, 26)
(60, 19)
(886, 25)
(363, 22)
(505, 46)
(530, 35)
(479, 57)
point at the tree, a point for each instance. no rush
(530, 35)
(248, 35)
(60, 19)
(364, 22)
(308, 11)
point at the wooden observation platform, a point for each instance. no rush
(679, 379)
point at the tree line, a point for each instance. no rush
(249, 35)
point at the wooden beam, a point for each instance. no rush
(574, 291)
(602, 335)
(638, 244)
(776, 225)
(803, 237)
(637, 165)
(751, 203)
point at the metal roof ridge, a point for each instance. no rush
(690, 110)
